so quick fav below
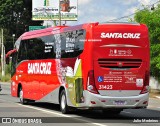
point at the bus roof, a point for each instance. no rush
(58, 29)
(41, 31)
(121, 23)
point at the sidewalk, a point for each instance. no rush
(154, 94)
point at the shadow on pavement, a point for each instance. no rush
(126, 114)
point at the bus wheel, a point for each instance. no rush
(22, 100)
(63, 103)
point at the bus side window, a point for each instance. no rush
(79, 42)
(14, 63)
(30, 50)
(49, 49)
(63, 46)
(74, 42)
(39, 47)
(15, 57)
(79, 45)
(22, 52)
(35, 49)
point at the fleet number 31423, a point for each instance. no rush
(103, 87)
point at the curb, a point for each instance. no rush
(155, 93)
(5, 83)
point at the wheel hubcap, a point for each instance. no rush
(63, 99)
(21, 95)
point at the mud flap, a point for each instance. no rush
(79, 90)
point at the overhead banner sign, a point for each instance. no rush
(49, 10)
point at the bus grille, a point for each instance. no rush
(120, 63)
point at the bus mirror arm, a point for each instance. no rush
(7, 56)
(10, 52)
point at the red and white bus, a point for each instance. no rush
(89, 66)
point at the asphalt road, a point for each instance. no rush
(47, 113)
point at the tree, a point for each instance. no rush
(152, 19)
(15, 18)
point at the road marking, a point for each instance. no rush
(56, 113)
(46, 111)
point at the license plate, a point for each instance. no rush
(119, 102)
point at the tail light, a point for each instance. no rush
(145, 90)
(91, 83)
(146, 84)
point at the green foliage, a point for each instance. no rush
(9, 10)
(8, 68)
(152, 19)
(7, 76)
(15, 18)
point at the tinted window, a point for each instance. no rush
(13, 63)
(37, 48)
(22, 53)
(72, 43)
(65, 45)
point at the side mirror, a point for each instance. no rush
(8, 58)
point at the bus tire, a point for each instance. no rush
(63, 103)
(21, 99)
